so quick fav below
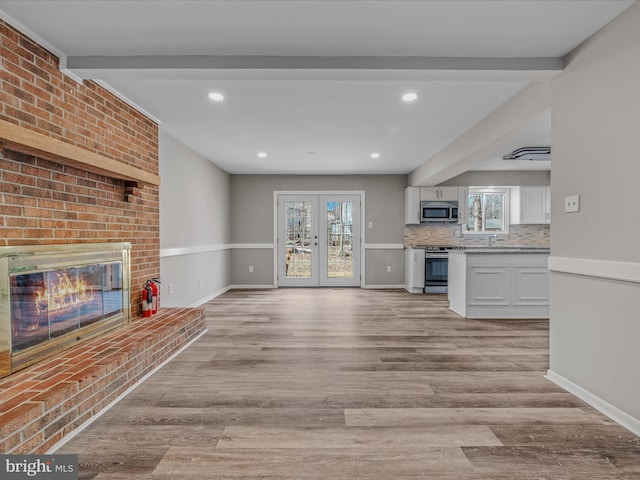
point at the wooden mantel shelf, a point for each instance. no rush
(20, 139)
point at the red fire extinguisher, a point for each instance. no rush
(155, 289)
(147, 299)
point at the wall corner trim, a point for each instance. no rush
(607, 269)
(614, 413)
(384, 246)
(178, 251)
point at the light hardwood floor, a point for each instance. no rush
(346, 383)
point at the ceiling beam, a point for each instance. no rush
(523, 116)
(86, 66)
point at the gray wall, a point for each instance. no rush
(595, 326)
(252, 211)
(499, 177)
(195, 222)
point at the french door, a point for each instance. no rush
(318, 240)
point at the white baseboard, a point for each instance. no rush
(384, 287)
(204, 300)
(614, 413)
(250, 287)
(416, 290)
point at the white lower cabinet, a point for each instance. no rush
(499, 285)
(414, 270)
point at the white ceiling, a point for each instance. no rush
(317, 84)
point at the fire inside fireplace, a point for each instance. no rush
(59, 298)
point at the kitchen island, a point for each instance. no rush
(499, 282)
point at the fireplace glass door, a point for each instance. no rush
(46, 305)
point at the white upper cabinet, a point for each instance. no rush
(548, 204)
(530, 205)
(463, 205)
(439, 193)
(412, 205)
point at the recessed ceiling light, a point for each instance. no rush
(375, 155)
(410, 97)
(262, 154)
(216, 96)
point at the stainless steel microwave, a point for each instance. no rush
(431, 211)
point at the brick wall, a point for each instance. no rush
(42, 202)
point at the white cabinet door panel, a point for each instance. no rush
(530, 205)
(488, 285)
(531, 286)
(412, 205)
(442, 194)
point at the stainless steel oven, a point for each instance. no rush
(436, 269)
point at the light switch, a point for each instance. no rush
(572, 204)
(370, 224)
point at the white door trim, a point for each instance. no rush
(360, 193)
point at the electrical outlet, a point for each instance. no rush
(388, 268)
(171, 289)
(572, 204)
(199, 283)
(370, 224)
(250, 268)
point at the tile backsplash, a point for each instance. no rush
(519, 236)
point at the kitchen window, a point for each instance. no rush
(488, 211)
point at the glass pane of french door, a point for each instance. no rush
(298, 260)
(339, 239)
(298, 240)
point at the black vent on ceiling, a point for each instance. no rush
(529, 153)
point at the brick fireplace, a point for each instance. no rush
(78, 166)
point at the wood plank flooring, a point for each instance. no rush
(355, 384)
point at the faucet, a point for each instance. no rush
(492, 238)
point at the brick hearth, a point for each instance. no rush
(47, 401)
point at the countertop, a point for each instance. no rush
(501, 250)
